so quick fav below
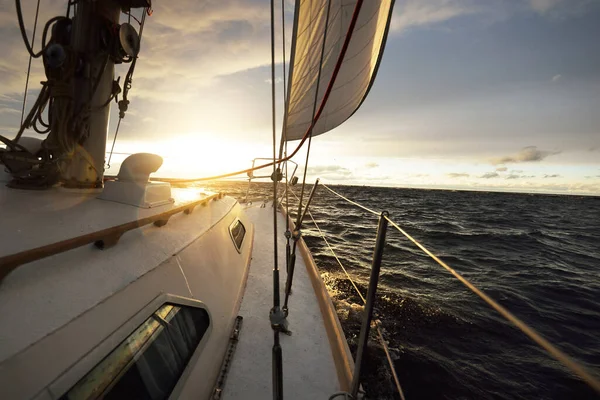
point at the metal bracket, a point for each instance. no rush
(108, 241)
(279, 321)
(161, 222)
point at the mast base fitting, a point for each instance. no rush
(279, 321)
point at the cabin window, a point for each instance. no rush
(148, 364)
(238, 231)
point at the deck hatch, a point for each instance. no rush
(150, 361)
(237, 231)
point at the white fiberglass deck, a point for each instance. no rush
(308, 366)
(56, 289)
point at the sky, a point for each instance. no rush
(495, 95)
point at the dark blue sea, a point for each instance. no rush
(537, 255)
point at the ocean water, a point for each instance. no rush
(537, 255)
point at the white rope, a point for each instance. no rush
(389, 358)
(558, 354)
(350, 201)
(333, 252)
(337, 258)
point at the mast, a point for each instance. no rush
(79, 56)
(86, 168)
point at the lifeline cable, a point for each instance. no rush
(558, 354)
(378, 325)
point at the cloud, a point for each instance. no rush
(552, 176)
(501, 169)
(333, 172)
(457, 175)
(543, 6)
(489, 175)
(512, 176)
(414, 13)
(558, 8)
(594, 148)
(527, 154)
(187, 45)
(421, 13)
(371, 165)
(8, 110)
(556, 78)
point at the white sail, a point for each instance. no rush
(329, 21)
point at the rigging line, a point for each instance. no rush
(333, 252)
(337, 258)
(113, 143)
(378, 325)
(558, 354)
(349, 201)
(334, 75)
(287, 199)
(129, 75)
(37, 12)
(283, 141)
(287, 85)
(144, 13)
(28, 46)
(277, 324)
(299, 222)
(283, 51)
(274, 127)
(389, 359)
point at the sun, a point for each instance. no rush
(195, 154)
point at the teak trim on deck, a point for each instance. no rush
(342, 357)
(102, 238)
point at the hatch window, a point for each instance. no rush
(148, 364)
(238, 231)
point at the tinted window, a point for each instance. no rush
(148, 364)
(238, 231)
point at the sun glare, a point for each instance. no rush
(194, 154)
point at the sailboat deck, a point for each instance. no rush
(309, 371)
